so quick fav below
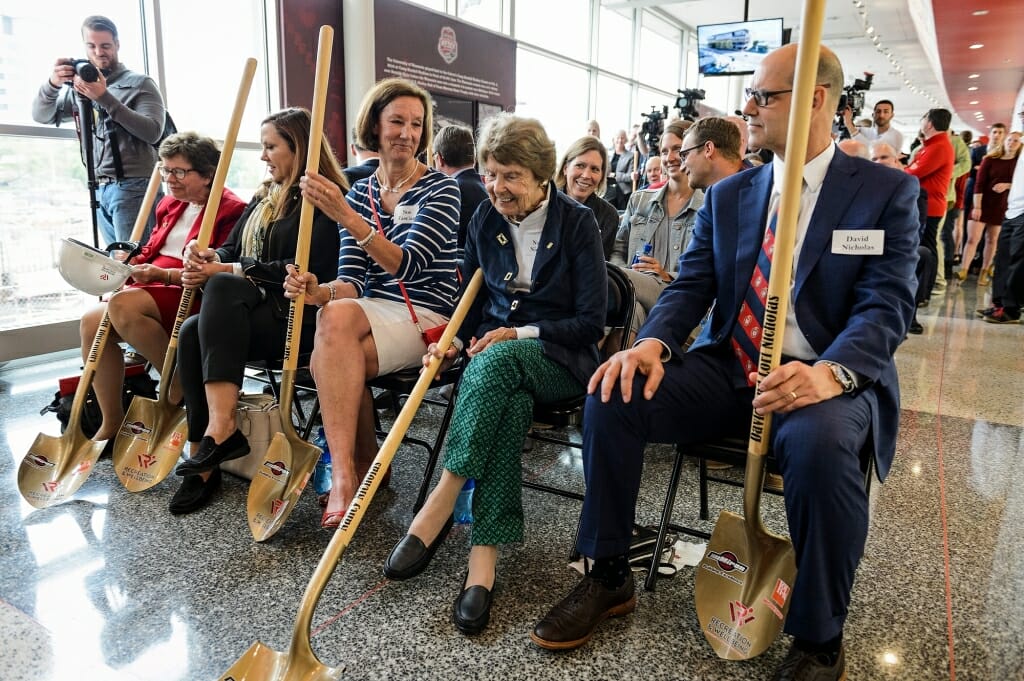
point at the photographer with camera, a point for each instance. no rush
(129, 119)
(882, 131)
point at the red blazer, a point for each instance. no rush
(169, 210)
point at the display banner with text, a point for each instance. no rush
(444, 55)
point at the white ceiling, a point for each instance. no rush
(845, 32)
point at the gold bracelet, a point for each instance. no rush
(168, 281)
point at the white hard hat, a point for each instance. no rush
(89, 269)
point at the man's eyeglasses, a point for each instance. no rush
(179, 173)
(683, 153)
(761, 97)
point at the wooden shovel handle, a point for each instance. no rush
(209, 217)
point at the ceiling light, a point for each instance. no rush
(980, 12)
(974, 75)
(869, 30)
(972, 88)
(976, 46)
(972, 102)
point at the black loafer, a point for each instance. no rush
(410, 557)
(210, 454)
(472, 610)
(194, 493)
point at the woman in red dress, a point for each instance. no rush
(990, 194)
(142, 313)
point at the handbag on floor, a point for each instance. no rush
(259, 418)
(137, 381)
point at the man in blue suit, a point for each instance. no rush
(834, 395)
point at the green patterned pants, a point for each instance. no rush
(493, 413)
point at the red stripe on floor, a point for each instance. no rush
(348, 608)
(942, 499)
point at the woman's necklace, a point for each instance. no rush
(394, 189)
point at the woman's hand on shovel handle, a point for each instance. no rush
(447, 358)
(296, 282)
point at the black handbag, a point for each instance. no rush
(137, 381)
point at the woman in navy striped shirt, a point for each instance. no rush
(398, 225)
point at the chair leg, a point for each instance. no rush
(314, 411)
(666, 517)
(702, 466)
(434, 452)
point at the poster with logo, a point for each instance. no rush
(444, 55)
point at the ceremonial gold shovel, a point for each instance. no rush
(153, 432)
(263, 663)
(743, 583)
(55, 467)
(290, 460)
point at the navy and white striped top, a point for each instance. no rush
(429, 222)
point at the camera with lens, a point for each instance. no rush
(653, 126)
(852, 98)
(85, 70)
(686, 103)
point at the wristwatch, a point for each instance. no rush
(842, 376)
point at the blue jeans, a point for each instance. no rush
(119, 204)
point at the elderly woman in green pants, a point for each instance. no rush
(532, 335)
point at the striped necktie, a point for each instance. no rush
(746, 334)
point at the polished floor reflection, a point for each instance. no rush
(111, 586)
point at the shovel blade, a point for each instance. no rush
(149, 443)
(55, 467)
(275, 489)
(263, 663)
(742, 588)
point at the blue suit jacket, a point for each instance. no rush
(853, 309)
(473, 193)
(568, 298)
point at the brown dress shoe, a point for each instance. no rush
(573, 620)
(801, 665)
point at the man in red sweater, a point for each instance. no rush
(933, 167)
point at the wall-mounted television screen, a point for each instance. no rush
(736, 48)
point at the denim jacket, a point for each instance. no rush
(644, 221)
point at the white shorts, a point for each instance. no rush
(399, 343)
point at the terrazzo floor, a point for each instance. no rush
(109, 586)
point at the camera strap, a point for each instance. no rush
(115, 149)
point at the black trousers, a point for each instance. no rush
(1008, 282)
(926, 272)
(929, 239)
(237, 324)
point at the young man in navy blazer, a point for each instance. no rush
(834, 396)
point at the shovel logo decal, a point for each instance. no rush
(83, 467)
(728, 635)
(276, 506)
(727, 561)
(146, 460)
(176, 439)
(726, 565)
(276, 471)
(740, 614)
(51, 486)
(136, 428)
(781, 593)
(38, 460)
